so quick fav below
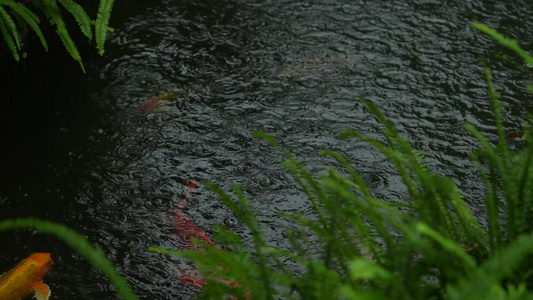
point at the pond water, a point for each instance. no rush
(77, 149)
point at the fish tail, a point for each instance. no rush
(189, 275)
(42, 291)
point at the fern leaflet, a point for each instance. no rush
(10, 26)
(80, 15)
(30, 18)
(102, 20)
(9, 40)
(53, 11)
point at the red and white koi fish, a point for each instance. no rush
(189, 275)
(152, 103)
(148, 105)
(26, 277)
(186, 229)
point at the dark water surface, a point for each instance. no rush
(76, 150)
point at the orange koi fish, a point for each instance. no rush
(26, 277)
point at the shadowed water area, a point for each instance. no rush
(88, 154)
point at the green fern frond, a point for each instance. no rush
(437, 200)
(303, 176)
(510, 43)
(391, 130)
(53, 11)
(10, 26)
(525, 193)
(447, 244)
(492, 272)
(495, 105)
(355, 175)
(419, 157)
(71, 47)
(399, 161)
(102, 20)
(506, 171)
(376, 213)
(247, 215)
(435, 207)
(465, 219)
(9, 40)
(30, 18)
(26, 17)
(80, 15)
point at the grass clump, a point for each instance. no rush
(429, 248)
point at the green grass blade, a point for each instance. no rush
(78, 243)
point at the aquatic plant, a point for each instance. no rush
(431, 247)
(16, 16)
(78, 243)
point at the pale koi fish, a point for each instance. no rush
(26, 277)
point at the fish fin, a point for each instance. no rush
(42, 291)
(191, 184)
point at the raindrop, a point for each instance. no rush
(231, 222)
